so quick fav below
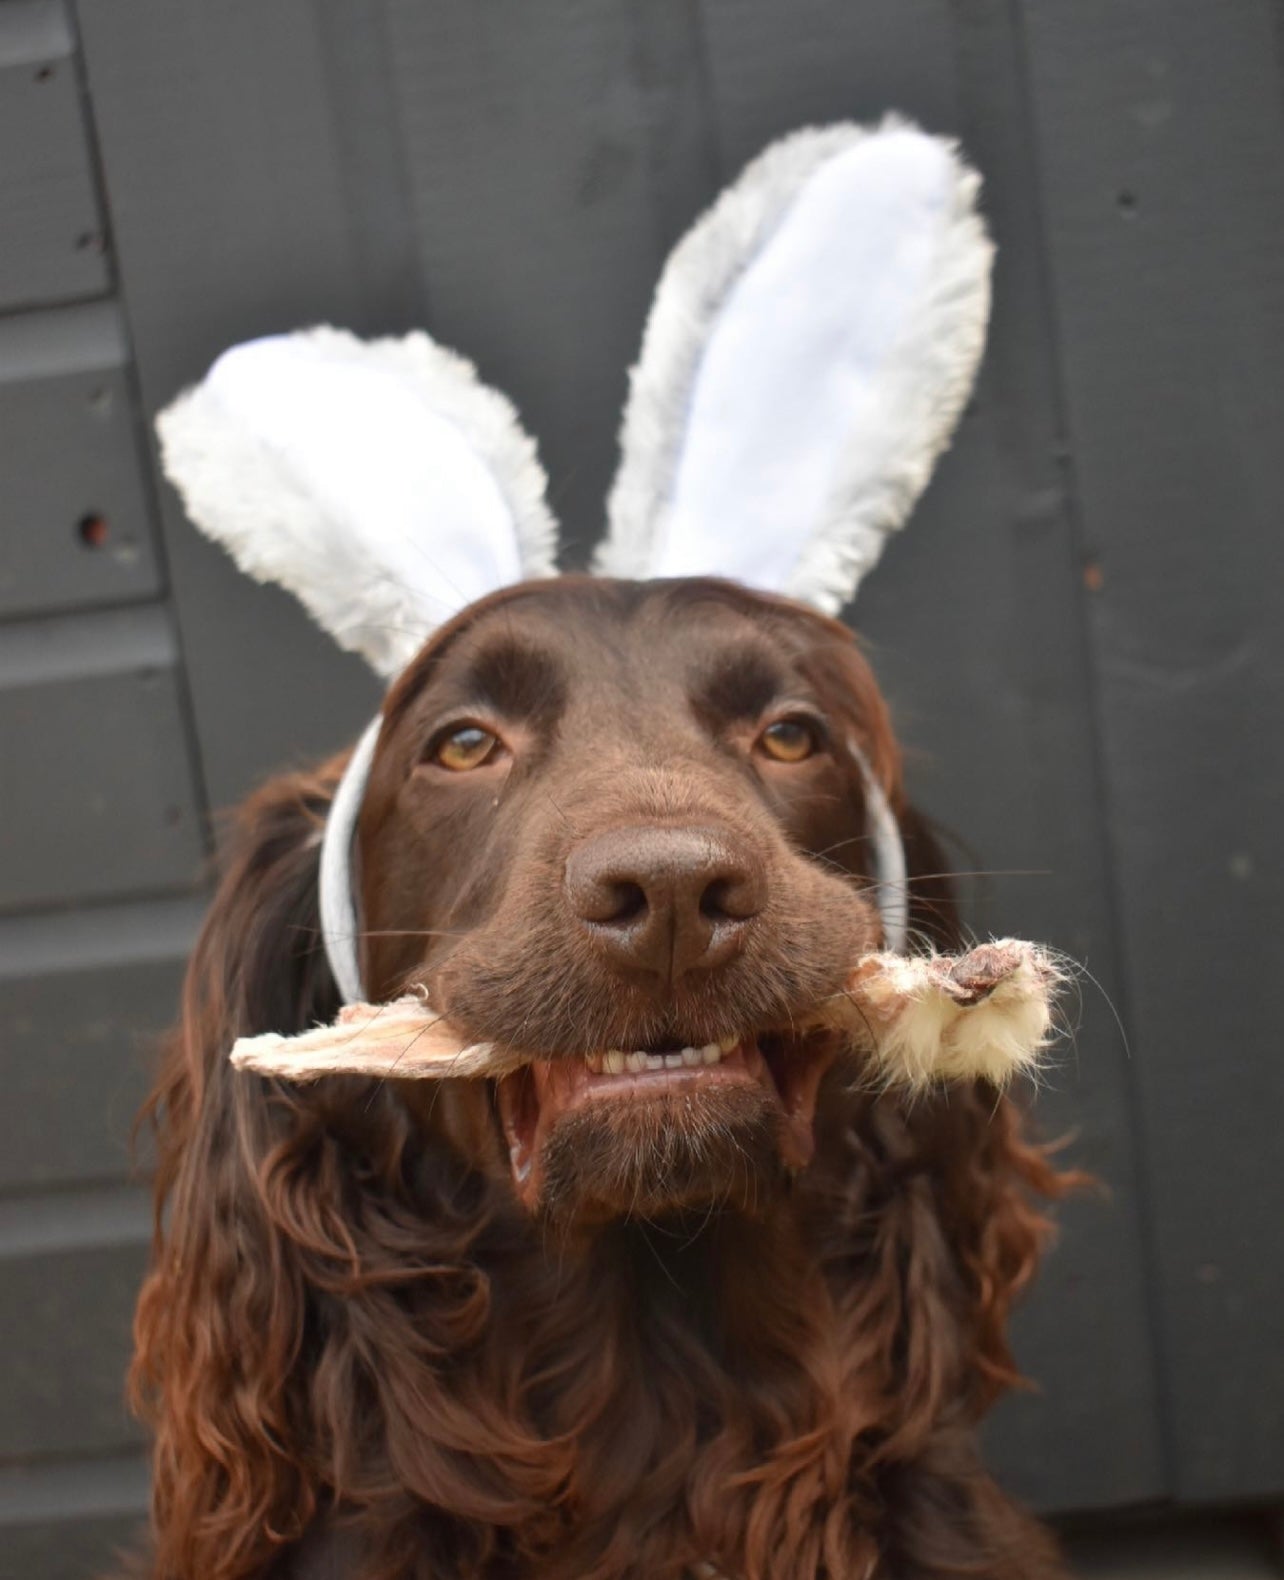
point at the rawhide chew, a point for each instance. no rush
(919, 1020)
(404, 1039)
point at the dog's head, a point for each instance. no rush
(623, 824)
(621, 827)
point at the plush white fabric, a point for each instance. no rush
(812, 342)
(381, 483)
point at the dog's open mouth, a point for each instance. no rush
(676, 1083)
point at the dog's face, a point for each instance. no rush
(621, 826)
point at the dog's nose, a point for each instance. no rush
(668, 900)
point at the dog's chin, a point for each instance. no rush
(588, 1142)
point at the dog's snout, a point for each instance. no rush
(666, 900)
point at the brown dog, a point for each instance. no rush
(685, 1297)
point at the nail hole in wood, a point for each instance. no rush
(93, 530)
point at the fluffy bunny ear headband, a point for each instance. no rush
(811, 344)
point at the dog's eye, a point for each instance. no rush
(788, 740)
(463, 749)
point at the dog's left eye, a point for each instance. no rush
(466, 748)
(788, 740)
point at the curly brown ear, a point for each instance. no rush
(221, 1318)
(313, 1262)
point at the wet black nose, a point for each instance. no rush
(666, 900)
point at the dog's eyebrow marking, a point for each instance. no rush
(738, 682)
(516, 677)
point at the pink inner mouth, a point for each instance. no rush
(532, 1100)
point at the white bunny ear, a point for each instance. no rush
(813, 340)
(380, 482)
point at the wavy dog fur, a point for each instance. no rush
(349, 1327)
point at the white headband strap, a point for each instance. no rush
(338, 903)
(891, 878)
(339, 921)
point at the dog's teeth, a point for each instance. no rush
(635, 1063)
(692, 1056)
(711, 1053)
(727, 1044)
(594, 1062)
(654, 1061)
(613, 1061)
(673, 1061)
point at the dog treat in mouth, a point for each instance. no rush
(917, 1019)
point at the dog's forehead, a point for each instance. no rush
(583, 636)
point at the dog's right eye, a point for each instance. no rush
(465, 748)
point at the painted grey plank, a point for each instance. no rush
(33, 32)
(1090, 1435)
(529, 162)
(774, 67)
(101, 938)
(976, 629)
(76, 1489)
(60, 1222)
(54, 247)
(96, 793)
(75, 525)
(1159, 130)
(70, 1520)
(355, 52)
(65, 1324)
(76, 1057)
(229, 220)
(669, 61)
(84, 999)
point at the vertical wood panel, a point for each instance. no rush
(776, 67)
(526, 135)
(53, 244)
(976, 627)
(1159, 129)
(229, 221)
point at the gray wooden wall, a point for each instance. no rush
(1080, 633)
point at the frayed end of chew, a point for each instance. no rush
(987, 1014)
